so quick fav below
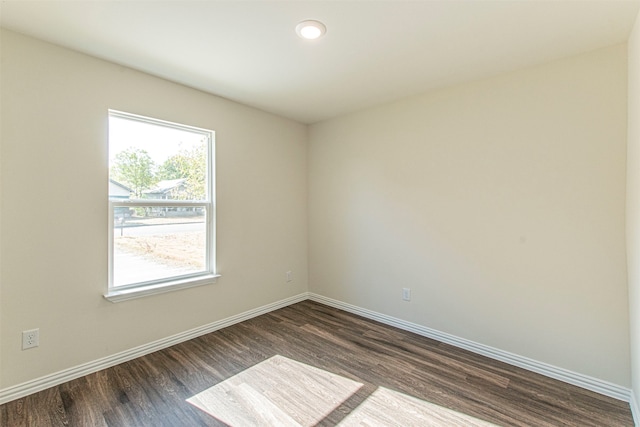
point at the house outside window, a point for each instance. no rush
(161, 206)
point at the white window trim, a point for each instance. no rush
(209, 276)
(160, 288)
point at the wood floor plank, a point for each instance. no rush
(406, 380)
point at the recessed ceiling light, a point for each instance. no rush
(311, 29)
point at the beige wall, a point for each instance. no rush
(633, 205)
(54, 208)
(500, 203)
(1, 108)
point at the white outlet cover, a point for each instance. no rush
(30, 338)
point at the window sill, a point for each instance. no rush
(115, 295)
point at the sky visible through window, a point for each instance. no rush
(160, 142)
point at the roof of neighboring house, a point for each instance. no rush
(165, 186)
(117, 189)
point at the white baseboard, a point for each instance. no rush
(584, 381)
(589, 383)
(42, 383)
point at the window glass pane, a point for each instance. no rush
(154, 161)
(157, 242)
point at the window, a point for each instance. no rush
(161, 206)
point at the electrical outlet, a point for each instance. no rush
(30, 338)
(289, 276)
(406, 294)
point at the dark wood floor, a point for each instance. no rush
(152, 390)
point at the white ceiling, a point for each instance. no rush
(374, 51)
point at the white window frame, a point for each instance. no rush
(209, 275)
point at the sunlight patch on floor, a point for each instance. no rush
(386, 407)
(283, 392)
(276, 392)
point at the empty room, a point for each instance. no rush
(299, 213)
